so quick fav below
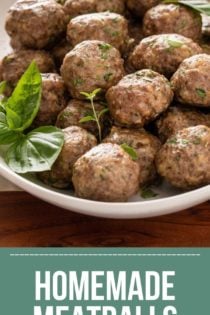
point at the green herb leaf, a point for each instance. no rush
(174, 43)
(133, 154)
(148, 193)
(103, 112)
(199, 6)
(201, 93)
(87, 119)
(37, 151)
(22, 107)
(105, 48)
(3, 86)
(7, 136)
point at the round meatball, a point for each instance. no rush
(60, 51)
(145, 145)
(91, 65)
(75, 111)
(36, 24)
(139, 98)
(191, 82)
(78, 7)
(109, 27)
(173, 18)
(16, 63)
(139, 7)
(178, 118)
(184, 161)
(77, 142)
(53, 99)
(112, 175)
(163, 53)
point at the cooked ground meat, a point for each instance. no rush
(78, 7)
(206, 25)
(60, 50)
(139, 7)
(139, 98)
(109, 27)
(16, 63)
(173, 18)
(106, 173)
(163, 53)
(145, 145)
(77, 142)
(36, 24)
(53, 99)
(191, 82)
(184, 160)
(75, 111)
(91, 65)
(178, 118)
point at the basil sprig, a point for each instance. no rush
(199, 6)
(38, 150)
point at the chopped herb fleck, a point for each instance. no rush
(108, 76)
(131, 151)
(78, 81)
(174, 43)
(105, 48)
(201, 93)
(148, 193)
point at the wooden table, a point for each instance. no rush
(28, 222)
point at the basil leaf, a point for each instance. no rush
(103, 112)
(148, 193)
(133, 154)
(22, 107)
(37, 151)
(7, 136)
(199, 6)
(87, 119)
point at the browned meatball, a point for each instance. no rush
(145, 145)
(53, 99)
(184, 160)
(16, 63)
(173, 18)
(163, 53)
(77, 142)
(78, 7)
(75, 111)
(91, 65)
(206, 25)
(191, 82)
(106, 173)
(36, 23)
(178, 118)
(109, 27)
(139, 7)
(139, 98)
(60, 51)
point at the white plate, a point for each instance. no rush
(168, 201)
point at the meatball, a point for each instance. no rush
(16, 63)
(75, 111)
(77, 142)
(163, 53)
(36, 24)
(184, 161)
(111, 28)
(139, 98)
(60, 51)
(191, 82)
(91, 65)
(178, 118)
(112, 175)
(53, 99)
(146, 147)
(173, 18)
(78, 7)
(139, 7)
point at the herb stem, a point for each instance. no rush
(96, 118)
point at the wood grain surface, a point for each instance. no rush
(28, 222)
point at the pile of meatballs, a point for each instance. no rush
(152, 63)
